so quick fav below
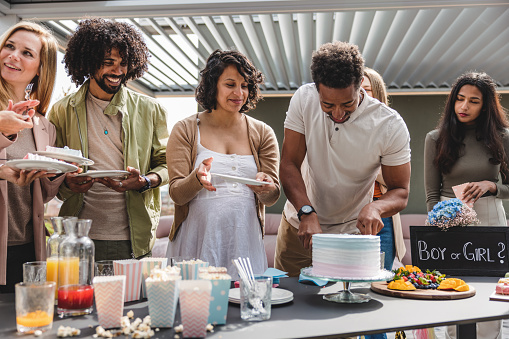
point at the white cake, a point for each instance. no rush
(66, 150)
(31, 156)
(346, 255)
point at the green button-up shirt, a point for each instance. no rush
(144, 143)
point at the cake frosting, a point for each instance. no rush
(346, 255)
(66, 150)
(31, 156)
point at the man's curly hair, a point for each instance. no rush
(206, 92)
(93, 40)
(337, 65)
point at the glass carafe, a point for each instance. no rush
(76, 269)
(52, 250)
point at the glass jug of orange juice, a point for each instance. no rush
(52, 250)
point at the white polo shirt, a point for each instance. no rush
(342, 160)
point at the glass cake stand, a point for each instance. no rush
(346, 296)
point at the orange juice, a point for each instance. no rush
(52, 272)
(68, 271)
(35, 319)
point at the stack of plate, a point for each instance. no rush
(279, 296)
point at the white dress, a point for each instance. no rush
(222, 225)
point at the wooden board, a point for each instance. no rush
(381, 287)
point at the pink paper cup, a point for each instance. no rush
(162, 302)
(146, 267)
(131, 268)
(194, 307)
(109, 299)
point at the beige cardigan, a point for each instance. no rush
(181, 155)
(399, 243)
(43, 191)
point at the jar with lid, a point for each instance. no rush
(75, 269)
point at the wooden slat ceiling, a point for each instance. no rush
(418, 46)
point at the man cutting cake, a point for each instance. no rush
(336, 138)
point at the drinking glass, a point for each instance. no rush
(104, 268)
(34, 306)
(34, 272)
(255, 299)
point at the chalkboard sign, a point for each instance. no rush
(472, 250)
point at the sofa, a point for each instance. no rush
(408, 220)
(272, 221)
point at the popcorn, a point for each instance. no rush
(65, 150)
(138, 329)
(179, 328)
(68, 331)
(213, 273)
(38, 333)
(166, 274)
(130, 314)
(209, 328)
(450, 213)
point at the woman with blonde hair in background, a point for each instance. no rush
(28, 54)
(391, 235)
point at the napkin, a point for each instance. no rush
(458, 192)
(316, 281)
(275, 274)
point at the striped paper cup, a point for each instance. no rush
(146, 267)
(131, 268)
(189, 268)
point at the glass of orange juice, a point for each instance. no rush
(35, 304)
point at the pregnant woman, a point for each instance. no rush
(218, 220)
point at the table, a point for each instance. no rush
(309, 316)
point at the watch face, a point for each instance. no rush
(306, 209)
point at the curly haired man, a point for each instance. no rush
(336, 138)
(119, 130)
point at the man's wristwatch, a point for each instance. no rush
(306, 209)
(147, 185)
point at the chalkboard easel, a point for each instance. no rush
(472, 250)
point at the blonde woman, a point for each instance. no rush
(391, 235)
(28, 55)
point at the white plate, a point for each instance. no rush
(239, 179)
(67, 157)
(41, 165)
(104, 174)
(279, 296)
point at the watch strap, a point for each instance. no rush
(147, 186)
(302, 212)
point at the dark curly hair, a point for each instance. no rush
(206, 92)
(337, 65)
(490, 125)
(93, 40)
